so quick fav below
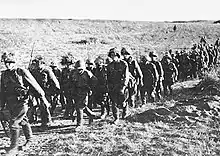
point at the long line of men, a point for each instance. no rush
(80, 86)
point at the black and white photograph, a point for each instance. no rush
(109, 78)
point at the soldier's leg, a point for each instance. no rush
(45, 113)
(133, 95)
(115, 109)
(143, 93)
(62, 100)
(69, 107)
(79, 116)
(159, 89)
(26, 127)
(165, 87)
(17, 116)
(151, 94)
(123, 99)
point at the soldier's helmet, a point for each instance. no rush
(53, 64)
(125, 51)
(144, 59)
(152, 54)
(68, 59)
(113, 52)
(8, 57)
(39, 59)
(80, 64)
(90, 62)
(99, 61)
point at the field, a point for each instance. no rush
(186, 123)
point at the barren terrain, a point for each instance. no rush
(186, 123)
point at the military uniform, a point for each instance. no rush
(150, 79)
(83, 82)
(170, 74)
(15, 83)
(136, 76)
(49, 83)
(159, 86)
(101, 89)
(118, 78)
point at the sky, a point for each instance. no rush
(132, 10)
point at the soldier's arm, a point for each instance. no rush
(175, 71)
(155, 73)
(32, 82)
(2, 93)
(92, 80)
(139, 72)
(54, 79)
(161, 77)
(126, 75)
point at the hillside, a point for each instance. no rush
(87, 38)
(185, 123)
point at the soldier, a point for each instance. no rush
(170, 74)
(136, 77)
(101, 90)
(15, 83)
(67, 61)
(150, 78)
(48, 82)
(118, 78)
(84, 83)
(159, 86)
(55, 98)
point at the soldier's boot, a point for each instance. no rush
(13, 149)
(132, 100)
(103, 111)
(28, 134)
(79, 117)
(115, 112)
(125, 112)
(92, 115)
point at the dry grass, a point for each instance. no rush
(186, 123)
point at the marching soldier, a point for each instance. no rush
(170, 74)
(83, 82)
(48, 82)
(101, 90)
(150, 78)
(15, 84)
(136, 77)
(159, 86)
(118, 78)
(67, 61)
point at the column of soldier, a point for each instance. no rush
(115, 83)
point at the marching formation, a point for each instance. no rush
(115, 83)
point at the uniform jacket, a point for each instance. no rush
(118, 73)
(101, 74)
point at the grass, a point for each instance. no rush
(180, 125)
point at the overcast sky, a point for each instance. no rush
(135, 10)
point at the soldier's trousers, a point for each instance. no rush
(159, 88)
(103, 100)
(81, 105)
(69, 109)
(167, 87)
(18, 111)
(147, 91)
(119, 101)
(45, 111)
(132, 95)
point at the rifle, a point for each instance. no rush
(32, 50)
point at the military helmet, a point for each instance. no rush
(125, 51)
(90, 62)
(80, 64)
(67, 59)
(39, 59)
(144, 58)
(99, 60)
(113, 51)
(152, 54)
(8, 57)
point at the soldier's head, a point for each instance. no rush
(126, 53)
(152, 55)
(90, 64)
(113, 54)
(38, 61)
(144, 59)
(9, 59)
(80, 66)
(167, 59)
(67, 60)
(99, 61)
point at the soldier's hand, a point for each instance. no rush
(90, 92)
